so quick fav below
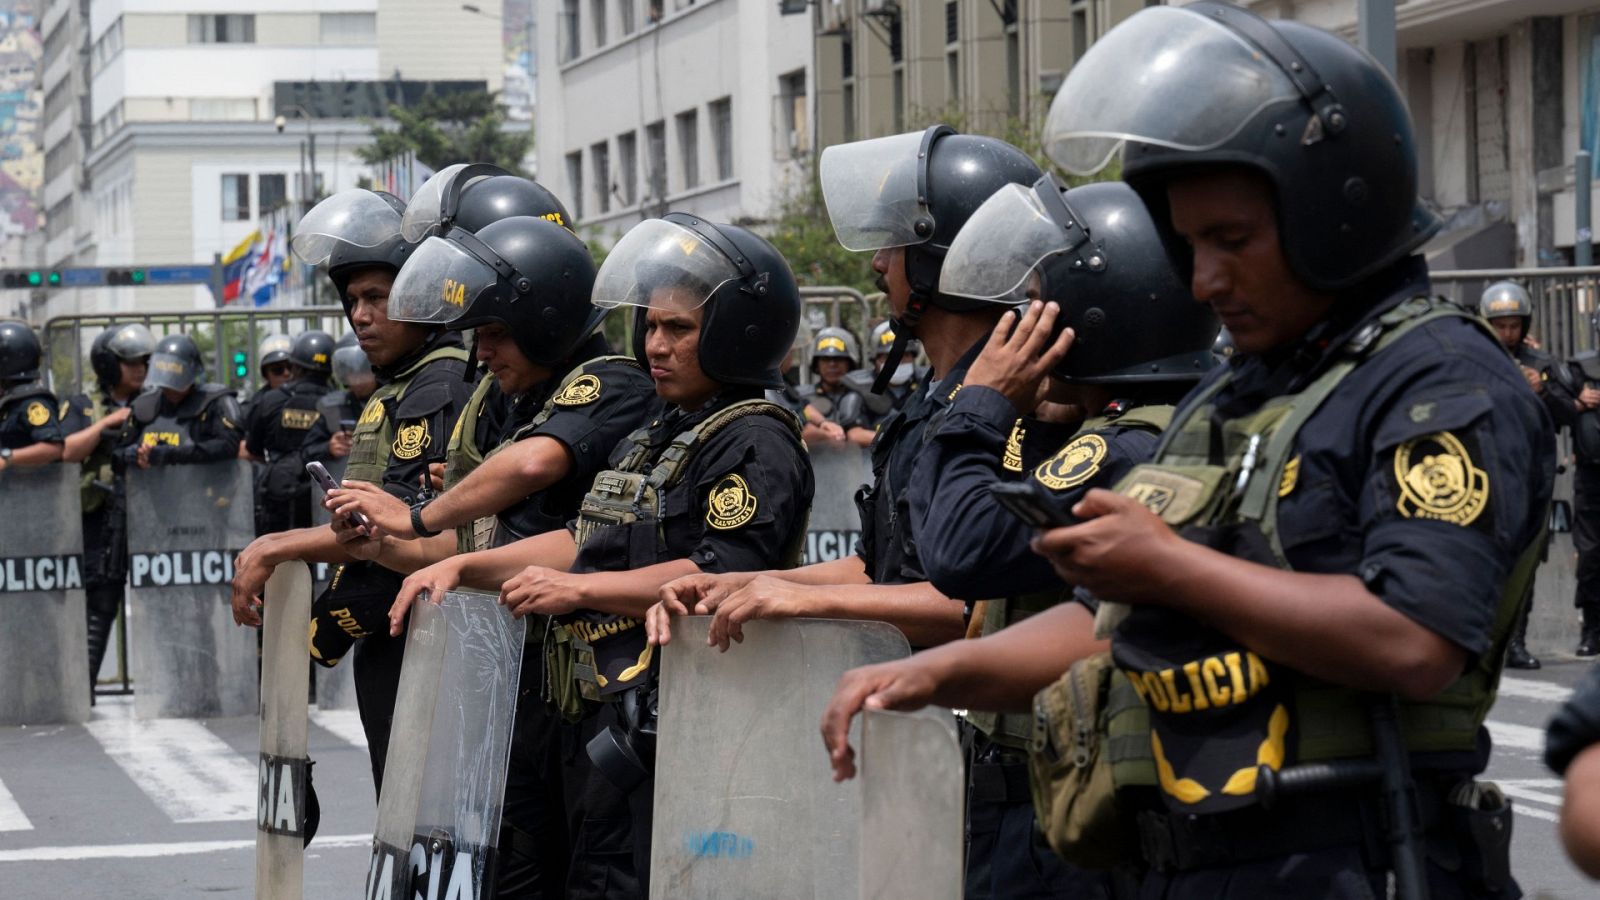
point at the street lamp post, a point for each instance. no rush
(308, 178)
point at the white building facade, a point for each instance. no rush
(649, 106)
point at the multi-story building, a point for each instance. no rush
(647, 106)
(173, 126)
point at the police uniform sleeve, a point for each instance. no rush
(596, 411)
(258, 423)
(1560, 394)
(76, 413)
(423, 420)
(315, 445)
(42, 416)
(1576, 726)
(749, 489)
(217, 434)
(1456, 486)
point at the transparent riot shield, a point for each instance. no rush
(444, 777)
(283, 764)
(745, 802)
(186, 524)
(913, 814)
(44, 662)
(336, 687)
(834, 530)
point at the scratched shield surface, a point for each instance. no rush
(745, 803)
(44, 662)
(913, 799)
(185, 526)
(283, 766)
(336, 687)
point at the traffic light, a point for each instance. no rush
(124, 276)
(30, 278)
(241, 364)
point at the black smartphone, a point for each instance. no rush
(1030, 504)
(319, 474)
(347, 425)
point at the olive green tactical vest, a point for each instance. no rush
(1186, 487)
(1015, 730)
(97, 467)
(374, 434)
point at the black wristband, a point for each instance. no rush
(416, 521)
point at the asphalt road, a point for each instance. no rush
(129, 809)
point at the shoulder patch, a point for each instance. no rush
(1074, 464)
(730, 503)
(298, 419)
(1012, 460)
(1291, 476)
(1437, 480)
(38, 414)
(411, 440)
(581, 391)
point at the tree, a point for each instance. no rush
(443, 129)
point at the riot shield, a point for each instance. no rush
(44, 661)
(444, 777)
(913, 818)
(283, 765)
(186, 524)
(745, 802)
(336, 687)
(834, 530)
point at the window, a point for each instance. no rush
(721, 112)
(1013, 72)
(226, 29)
(899, 89)
(349, 28)
(626, 12)
(575, 182)
(952, 52)
(597, 12)
(952, 22)
(688, 126)
(655, 138)
(848, 100)
(1080, 29)
(627, 164)
(273, 191)
(235, 198)
(600, 158)
(568, 34)
(792, 142)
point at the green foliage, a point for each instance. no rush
(442, 130)
(802, 233)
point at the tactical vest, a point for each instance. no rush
(1015, 730)
(634, 492)
(97, 466)
(1187, 486)
(18, 398)
(283, 477)
(175, 428)
(374, 434)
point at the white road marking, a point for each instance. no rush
(345, 724)
(193, 775)
(1507, 736)
(1529, 689)
(147, 851)
(11, 816)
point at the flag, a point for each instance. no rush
(234, 265)
(265, 270)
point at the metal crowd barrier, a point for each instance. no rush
(1563, 300)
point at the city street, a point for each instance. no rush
(130, 809)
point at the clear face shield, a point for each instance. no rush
(171, 372)
(1165, 76)
(438, 283)
(355, 217)
(662, 265)
(434, 203)
(998, 252)
(352, 368)
(871, 191)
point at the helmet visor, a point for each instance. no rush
(870, 188)
(997, 250)
(278, 345)
(131, 341)
(425, 213)
(1165, 76)
(662, 265)
(356, 217)
(168, 370)
(350, 366)
(437, 283)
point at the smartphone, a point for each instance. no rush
(347, 425)
(1031, 504)
(319, 474)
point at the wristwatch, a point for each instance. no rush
(5, 455)
(416, 519)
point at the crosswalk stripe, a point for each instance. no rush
(1529, 689)
(190, 773)
(12, 817)
(1508, 736)
(177, 848)
(344, 724)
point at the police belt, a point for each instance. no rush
(1176, 842)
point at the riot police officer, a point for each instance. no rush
(835, 410)
(30, 428)
(422, 386)
(719, 482)
(184, 420)
(1346, 515)
(1585, 373)
(280, 420)
(119, 357)
(328, 438)
(903, 380)
(1572, 751)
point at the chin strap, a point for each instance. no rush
(904, 331)
(474, 369)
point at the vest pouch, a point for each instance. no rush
(617, 498)
(1073, 768)
(561, 688)
(1478, 815)
(1179, 494)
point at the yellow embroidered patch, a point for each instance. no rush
(1012, 461)
(411, 440)
(38, 414)
(298, 419)
(1074, 464)
(1291, 476)
(1437, 480)
(583, 390)
(730, 504)
(62, 412)
(372, 413)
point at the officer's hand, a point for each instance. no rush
(436, 580)
(436, 476)
(704, 591)
(1534, 381)
(764, 597)
(385, 510)
(904, 684)
(1531, 342)
(339, 445)
(1589, 397)
(358, 542)
(142, 456)
(1019, 356)
(1121, 552)
(116, 418)
(250, 573)
(658, 620)
(537, 589)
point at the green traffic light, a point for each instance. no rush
(137, 276)
(34, 279)
(55, 278)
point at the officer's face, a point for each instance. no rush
(1230, 222)
(890, 265)
(672, 347)
(832, 369)
(500, 354)
(1509, 330)
(133, 372)
(278, 374)
(383, 341)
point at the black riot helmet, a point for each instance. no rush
(472, 195)
(274, 349)
(679, 261)
(530, 274)
(1096, 251)
(19, 353)
(1209, 85)
(350, 363)
(116, 345)
(835, 343)
(312, 351)
(351, 231)
(176, 363)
